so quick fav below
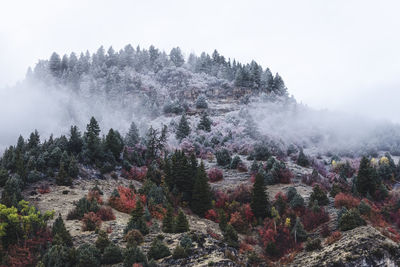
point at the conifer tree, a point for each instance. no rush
(231, 237)
(137, 220)
(168, 221)
(114, 143)
(11, 194)
(182, 224)
(183, 129)
(62, 177)
(73, 169)
(75, 141)
(92, 141)
(302, 159)
(59, 230)
(259, 201)
(366, 181)
(201, 197)
(223, 222)
(132, 137)
(205, 123)
(298, 231)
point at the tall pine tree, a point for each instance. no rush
(201, 196)
(259, 201)
(183, 129)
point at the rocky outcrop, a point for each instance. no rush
(362, 246)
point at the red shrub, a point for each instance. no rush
(285, 176)
(276, 243)
(221, 199)
(138, 173)
(211, 215)
(238, 222)
(157, 211)
(346, 200)
(215, 175)
(213, 234)
(44, 189)
(244, 247)
(313, 219)
(242, 194)
(250, 240)
(126, 202)
(106, 214)
(247, 213)
(90, 222)
(95, 195)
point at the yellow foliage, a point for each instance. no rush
(384, 161)
(334, 163)
(287, 222)
(373, 161)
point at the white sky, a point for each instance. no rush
(341, 55)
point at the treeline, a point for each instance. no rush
(127, 69)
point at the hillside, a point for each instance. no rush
(214, 165)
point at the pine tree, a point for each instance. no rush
(205, 123)
(59, 230)
(63, 178)
(201, 102)
(75, 141)
(137, 220)
(34, 140)
(176, 57)
(183, 129)
(55, 64)
(201, 196)
(366, 181)
(92, 141)
(132, 137)
(298, 231)
(73, 169)
(182, 224)
(302, 159)
(114, 143)
(319, 195)
(168, 221)
(102, 241)
(11, 194)
(223, 222)
(259, 201)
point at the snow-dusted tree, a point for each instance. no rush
(132, 137)
(205, 123)
(183, 129)
(176, 57)
(201, 102)
(55, 64)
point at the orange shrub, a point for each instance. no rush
(90, 222)
(345, 200)
(126, 201)
(44, 189)
(95, 195)
(244, 247)
(106, 214)
(335, 236)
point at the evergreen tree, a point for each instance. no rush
(63, 178)
(34, 140)
(366, 182)
(176, 57)
(137, 220)
(55, 64)
(114, 143)
(102, 241)
(319, 195)
(92, 141)
(11, 194)
(132, 137)
(231, 237)
(302, 159)
(201, 197)
(59, 230)
(168, 221)
(73, 169)
(223, 222)
(201, 102)
(75, 141)
(205, 123)
(182, 224)
(259, 201)
(183, 129)
(298, 231)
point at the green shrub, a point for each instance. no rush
(223, 157)
(302, 159)
(88, 256)
(314, 244)
(179, 252)
(350, 220)
(112, 254)
(134, 238)
(231, 237)
(102, 241)
(319, 195)
(158, 250)
(134, 255)
(82, 207)
(364, 208)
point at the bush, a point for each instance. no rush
(102, 241)
(314, 244)
(88, 256)
(134, 255)
(231, 237)
(44, 189)
(314, 217)
(297, 202)
(364, 208)
(350, 220)
(260, 152)
(201, 102)
(215, 175)
(82, 207)
(223, 157)
(125, 199)
(134, 238)
(90, 222)
(344, 200)
(302, 159)
(319, 195)
(106, 214)
(158, 250)
(179, 252)
(112, 254)
(235, 162)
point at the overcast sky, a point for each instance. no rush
(340, 55)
